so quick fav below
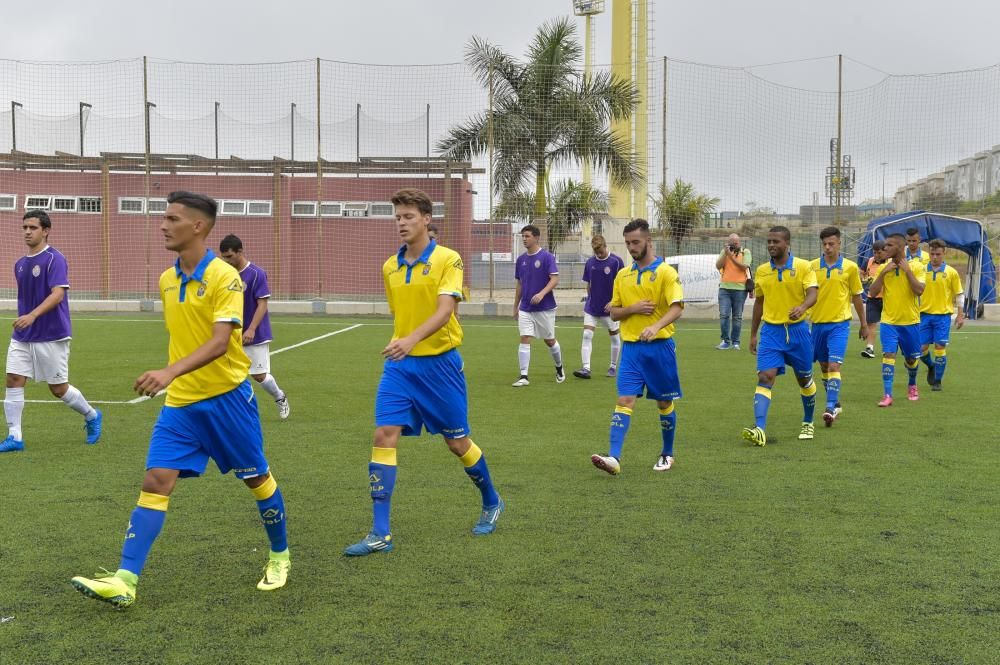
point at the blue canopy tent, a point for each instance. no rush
(959, 233)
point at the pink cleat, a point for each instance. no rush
(912, 394)
(886, 401)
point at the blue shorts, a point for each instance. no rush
(225, 428)
(935, 329)
(650, 367)
(424, 392)
(782, 345)
(906, 338)
(830, 341)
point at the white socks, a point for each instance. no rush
(587, 347)
(75, 400)
(13, 405)
(616, 348)
(271, 386)
(556, 354)
(524, 358)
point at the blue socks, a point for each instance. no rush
(475, 466)
(620, 421)
(888, 372)
(143, 527)
(761, 403)
(832, 389)
(272, 513)
(808, 393)
(668, 426)
(382, 480)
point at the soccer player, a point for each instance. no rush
(599, 273)
(39, 346)
(839, 287)
(873, 303)
(943, 294)
(257, 322)
(647, 299)
(536, 274)
(900, 282)
(210, 410)
(785, 289)
(913, 251)
(423, 382)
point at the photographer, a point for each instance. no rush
(734, 268)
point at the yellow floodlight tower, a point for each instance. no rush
(630, 61)
(587, 9)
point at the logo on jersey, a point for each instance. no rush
(236, 285)
(652, 276)
(607, 270)
(201, 289)
(427, 269)
(36, 271)
(538, 263)
(458, 265)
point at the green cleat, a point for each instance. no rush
(755, 435)
(109, 589)
(275, 574)
(807, 432)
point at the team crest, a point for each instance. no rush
(538, 264)
(36, 271)
(427, 269)
(607, 270)
(201, 289)
(652, 276)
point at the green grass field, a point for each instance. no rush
(877, 542)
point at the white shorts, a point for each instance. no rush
(260, 357)
(606, 321)
(537, 324)
(41, 361)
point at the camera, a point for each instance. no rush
(734, 248)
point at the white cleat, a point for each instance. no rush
(663, 463)
(607, 464)
(283, 408)
(523, 381)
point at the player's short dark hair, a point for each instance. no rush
(878, 245)
(829, 232)
(231, 243)
(912, 231)
(432, 228)
(897, 235)
(783, 230)
(637, 224)
(201, 202)
(41, 216)
(532, 229)
(937, 243)
(413, 197)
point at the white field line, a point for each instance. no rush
(144, 398)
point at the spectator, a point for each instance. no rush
(734, 267)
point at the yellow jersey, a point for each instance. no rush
(412, 289)
(838, 284)
(940, 288)
(923, 256)
(900, 305)
(783, 288)
(192, 305)
(658, 283)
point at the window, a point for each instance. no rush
(259, 208)
(64, 203)
(233, 207)
(156, 206)
(38, 202)
(90, 204)
(383, 210)
(303, 208)
(355, 210)
(131, 206)
(437, 210)
(8, 201)
(330, 209)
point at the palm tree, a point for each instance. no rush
(568, 203)
(678, 208)
(544, 113)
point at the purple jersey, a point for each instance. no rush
(600, 274)
(254, 288)
(36, 276)
(533, 271)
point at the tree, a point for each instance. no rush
(678, 208)
(567, 204)
(544, 113)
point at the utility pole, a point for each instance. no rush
(13, 124)
(83, 105)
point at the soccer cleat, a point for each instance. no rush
(723, 346)
(582, 373)
(93, 428)
(523, 381)
(736, 346)
(931, 379)
(837, 410)
(275, 574)
(912, 393)
(612, 372)
(936, 388)
(663, 463)
(560, 374)
(11, 445)
(869, 352)
(110, 589)
(369, 545)
(807, 432)
(606, 463)
(487, 524)
(828, 417)
(886, 401)
(755, 435)
(283, 408)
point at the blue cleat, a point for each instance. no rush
(369, 545)
(11, 445)
(93, 428)
(487, 524)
